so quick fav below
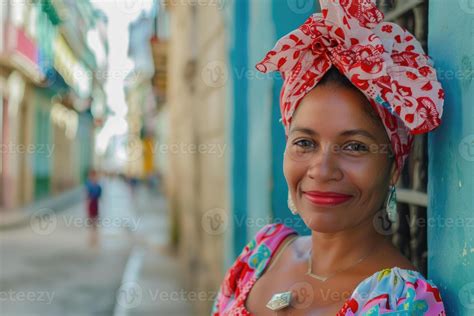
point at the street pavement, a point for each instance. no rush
(52, 266)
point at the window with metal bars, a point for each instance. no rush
(411, 228)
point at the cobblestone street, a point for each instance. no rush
(50, 267)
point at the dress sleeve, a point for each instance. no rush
(400, 291)
(251, 260)
(421, 297)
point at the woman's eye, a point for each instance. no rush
(358, 147)
(304, 144)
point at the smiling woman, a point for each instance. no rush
(333, 160)
(355, 91)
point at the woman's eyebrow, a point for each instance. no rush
(351, 132)
(362, 132)
(303, 130)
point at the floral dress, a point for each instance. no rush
(392, 291)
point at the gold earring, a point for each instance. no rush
(291, 205)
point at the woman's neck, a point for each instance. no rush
(335, 251)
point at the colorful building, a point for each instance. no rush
(49, 78)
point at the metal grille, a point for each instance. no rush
(411, 233)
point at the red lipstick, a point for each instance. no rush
(326, 198)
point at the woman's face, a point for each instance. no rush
(335, 146)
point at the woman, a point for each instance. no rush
(355, 91)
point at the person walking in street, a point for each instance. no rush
(94, 192)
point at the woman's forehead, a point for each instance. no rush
(334, 109)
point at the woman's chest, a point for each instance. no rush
(308, 296)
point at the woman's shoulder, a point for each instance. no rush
(249, 265)
(263, 246)
(397, 289)
(271, 234)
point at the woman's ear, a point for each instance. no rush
(394, 173)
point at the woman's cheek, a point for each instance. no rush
(290, 171)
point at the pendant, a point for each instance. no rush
(317, 277)
(279, 301)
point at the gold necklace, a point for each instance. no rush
(325, 278)
(282, 300)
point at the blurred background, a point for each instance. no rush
(154, 110)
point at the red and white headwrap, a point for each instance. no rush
(381, 59)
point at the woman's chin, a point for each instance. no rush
(324, 223)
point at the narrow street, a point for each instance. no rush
(50, 266)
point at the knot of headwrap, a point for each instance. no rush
(381, 59)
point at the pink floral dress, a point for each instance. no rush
(392, 291)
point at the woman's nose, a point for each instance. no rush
(324, 165)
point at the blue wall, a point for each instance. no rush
(259, 109)
(238, 56)
(451, 152)
(258, 189)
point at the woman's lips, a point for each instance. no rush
(326, 198)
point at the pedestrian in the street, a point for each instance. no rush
(94, 192)
(356, 89)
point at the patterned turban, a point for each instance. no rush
(383, 60)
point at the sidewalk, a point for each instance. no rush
(131, 272)
(49, 267)
(151, 281)
(11, 219)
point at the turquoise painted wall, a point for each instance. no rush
(451, 157)
(237, 21)
(258, 189)
(259, 108)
